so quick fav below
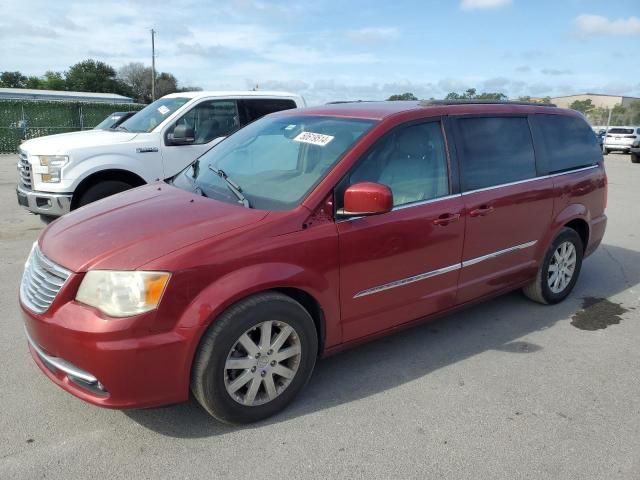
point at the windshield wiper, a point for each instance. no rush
(233, 186)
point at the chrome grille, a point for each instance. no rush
(24, 170)
(41, 281)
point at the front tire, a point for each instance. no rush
(254, 359)
(560, 269)
(103, 190)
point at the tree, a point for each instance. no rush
(166, 83)
(34, 82)
(403, 96)
(472, 94)
(138, 79)
(12, 80)
(94, 76)
(54, 81)
(584, 106)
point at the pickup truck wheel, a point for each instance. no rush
(559, 271)
(635, 158)
(605, 151)
(47, 219)
(254, 358)
(103, 190)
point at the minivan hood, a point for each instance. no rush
(62, 143)
(126, 231)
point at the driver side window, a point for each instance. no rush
(410, 160)
(211, 119)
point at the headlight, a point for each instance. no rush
(122, 294)
(54, 164)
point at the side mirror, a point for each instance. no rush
(182, 135)
(367, 198)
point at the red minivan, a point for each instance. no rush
(304, 233)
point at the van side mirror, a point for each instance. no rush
(182, 135)
(367, 198)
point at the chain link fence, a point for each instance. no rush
(24, 119)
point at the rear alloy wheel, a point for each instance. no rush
(254, 358)
(559, 271)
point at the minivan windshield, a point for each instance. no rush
(152, 115)
(273, 162)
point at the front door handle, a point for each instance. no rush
(481, 211)
(446, 219)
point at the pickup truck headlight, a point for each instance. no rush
(122, 294)
(54, 164)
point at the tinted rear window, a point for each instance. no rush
(621, 131)
(566, 142)
(255, 108)
(495, 151)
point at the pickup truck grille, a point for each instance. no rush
(24, 170)
(41, 281)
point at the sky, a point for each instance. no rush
(341, 49)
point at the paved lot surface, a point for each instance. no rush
(507, 389)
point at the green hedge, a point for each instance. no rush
(24, 119)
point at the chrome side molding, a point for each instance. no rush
(441, 271)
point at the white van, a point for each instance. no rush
(59, 173)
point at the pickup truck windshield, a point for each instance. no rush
(152, 115)
(274, 162)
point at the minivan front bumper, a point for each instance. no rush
(112, 363)
(44, 203)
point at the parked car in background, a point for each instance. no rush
(304, 233)
(620, 139)
(59, 173)
(113, 120)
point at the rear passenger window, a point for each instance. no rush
(495, 151)
(254, 108)
(566, 142)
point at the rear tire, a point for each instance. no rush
(559, 270)
(605, 151)
(635, 158)
(103, 190)
(242, 372)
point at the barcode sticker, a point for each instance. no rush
(314, 138)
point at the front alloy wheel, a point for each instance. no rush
(262, 363)
(254, 358)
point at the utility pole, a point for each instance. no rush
(153, 65)
(604, 140)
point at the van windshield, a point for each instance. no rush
(152, 115)
(274, 162)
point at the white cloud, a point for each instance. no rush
(373, 34)
(596, 25)
(483, 4)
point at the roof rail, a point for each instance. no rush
(338, 102)
(433, 103)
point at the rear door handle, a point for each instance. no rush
(481, 211)
(446, 219)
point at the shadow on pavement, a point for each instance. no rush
(403, 357)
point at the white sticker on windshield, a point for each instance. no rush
(314, 138)
(163, 109)
(290, 127)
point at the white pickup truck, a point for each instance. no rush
(59, 173)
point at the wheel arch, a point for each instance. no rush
(101, 176)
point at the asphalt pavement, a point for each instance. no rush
(508, 389)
